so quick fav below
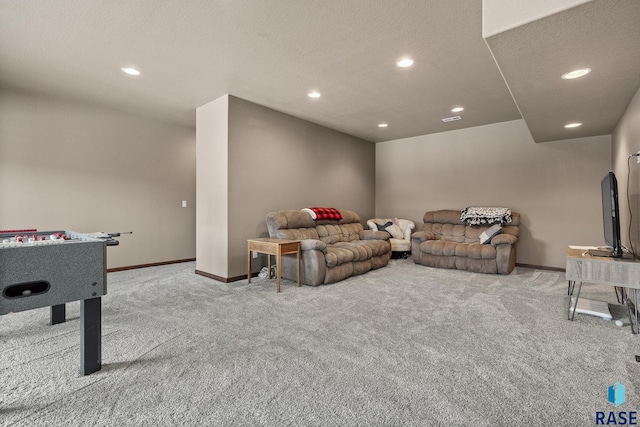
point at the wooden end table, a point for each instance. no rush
(277, 247)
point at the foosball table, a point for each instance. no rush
(50, 269)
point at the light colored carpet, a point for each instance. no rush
(405, 345)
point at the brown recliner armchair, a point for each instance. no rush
(400, 235)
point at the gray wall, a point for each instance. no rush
(71, 165)
(555, 186)
(67, 164)
(278, 162)
(626, 141)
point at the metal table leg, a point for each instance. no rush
(58, 314)
(570, 287)
(633, 314)
(90, 336)
(571, 315)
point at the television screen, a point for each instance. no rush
(611, 214)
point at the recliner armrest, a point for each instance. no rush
(311, 244)
(504, 239)
(423, 236)
(374, 235)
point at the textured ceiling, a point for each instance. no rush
(603, 35)
(273, 52)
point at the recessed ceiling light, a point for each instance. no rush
(576, 73)
(572, 125)
(130, 71)
(383, 125)
(314, 94)
(457, 109)
(404, 63)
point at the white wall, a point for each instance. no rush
(212, 188)
(77, 166)
(555, 186)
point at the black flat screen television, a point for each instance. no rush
(611, 214)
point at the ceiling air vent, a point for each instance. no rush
(451, 119)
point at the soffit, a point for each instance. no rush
(601, 35)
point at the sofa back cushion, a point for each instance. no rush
(294, 224)
(291, 224)
(334, 233)
(446, 224)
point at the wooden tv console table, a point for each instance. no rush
(619, 272)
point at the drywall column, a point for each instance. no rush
(212, 184)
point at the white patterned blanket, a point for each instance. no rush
(474, 215)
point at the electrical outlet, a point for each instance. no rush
(184, 203)
(255, 254)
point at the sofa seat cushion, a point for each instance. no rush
(464, 250)
(338, 255)
(360, 251)
(377, 247)
(355, 251)
(438, 247)
(475, 251)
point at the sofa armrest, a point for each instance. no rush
(505, 252)
(311, 244)
(407, 228)
(374, 235)
(423, 236)
(407, 233)
(504, 239)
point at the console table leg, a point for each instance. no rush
(298, 266)
(58, 314)
(279, 263)
(635, 313)
(575, 306)
(90, 336)
(249, 255)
